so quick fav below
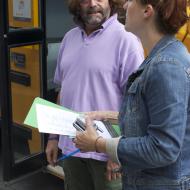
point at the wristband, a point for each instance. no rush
(95, 143)
(53, 138)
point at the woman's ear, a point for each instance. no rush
(148, 11)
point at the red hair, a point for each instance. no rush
(171, 14)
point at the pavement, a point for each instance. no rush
(38, 180)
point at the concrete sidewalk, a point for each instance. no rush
(39, 180)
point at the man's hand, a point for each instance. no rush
(52, 151)
(113, 171)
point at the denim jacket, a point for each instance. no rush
(154, 149)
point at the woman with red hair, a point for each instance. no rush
(154, 146)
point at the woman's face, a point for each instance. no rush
(134, 16)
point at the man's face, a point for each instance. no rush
(94, 12)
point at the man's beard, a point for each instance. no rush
(95, 16)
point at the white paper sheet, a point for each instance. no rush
(55, 121)
(105, 133)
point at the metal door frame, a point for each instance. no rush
(10, 39)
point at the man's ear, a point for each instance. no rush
(148, 11)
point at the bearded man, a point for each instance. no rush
(94, 62)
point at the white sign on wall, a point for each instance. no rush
(22, 9)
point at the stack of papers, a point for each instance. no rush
(54, 119)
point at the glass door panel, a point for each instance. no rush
(58, 19)
(53, 49)
(23, 13)
(55, 31)
(25, 86)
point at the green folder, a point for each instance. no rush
(31, 118)
(117, 129)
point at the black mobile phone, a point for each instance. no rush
(79, 125)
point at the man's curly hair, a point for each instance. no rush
(116, 7)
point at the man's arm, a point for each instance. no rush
(52, 145)
(54, 136)
(112, 116)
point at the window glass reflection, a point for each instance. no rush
(25, 86)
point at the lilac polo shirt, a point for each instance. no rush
(92, 71)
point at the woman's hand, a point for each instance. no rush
(113, 171)
(85, 141)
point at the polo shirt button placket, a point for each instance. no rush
(86, 42)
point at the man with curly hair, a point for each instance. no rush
(94, 62)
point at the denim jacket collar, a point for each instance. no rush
(159, 47)
(162, 44)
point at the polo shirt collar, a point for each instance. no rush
(110, 20)
(106, 24)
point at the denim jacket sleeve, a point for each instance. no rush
(165, 95)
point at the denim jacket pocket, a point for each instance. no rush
(128, 111)
(133, 96)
